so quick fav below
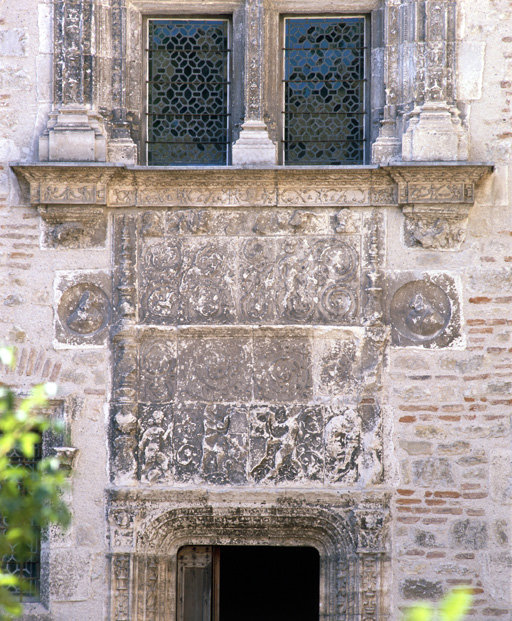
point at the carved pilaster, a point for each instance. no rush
(374, 252)
(120, 577)
(121, 147)
(254, 145)
(75, 131)
(434, 130)
(125, 353)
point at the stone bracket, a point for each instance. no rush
(67, 457)
(436, 200)
(84, 227)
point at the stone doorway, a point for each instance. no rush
(226, 583)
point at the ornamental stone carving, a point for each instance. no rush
(436, 201)
(348, 530)
(424, 310)
(83, 308)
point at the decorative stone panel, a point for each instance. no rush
(348, 530)
(423, 310)
(82, 308)
(245, 374)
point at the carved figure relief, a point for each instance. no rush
(84, 309)
(221, 399)
(342, 444)
(420, 311)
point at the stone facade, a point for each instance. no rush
(260, 354)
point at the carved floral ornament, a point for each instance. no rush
(146, 535)
(435, 198)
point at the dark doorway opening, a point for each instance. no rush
(248, 583)
(274, 584)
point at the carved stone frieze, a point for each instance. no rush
(435, 198)
(192, 279)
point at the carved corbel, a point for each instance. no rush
(67, 456)
(77, 228)
(436, 201)
(71, 201)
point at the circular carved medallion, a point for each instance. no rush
(420, 310)
(84, 309)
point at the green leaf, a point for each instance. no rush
(455, 605)
(7, 356)
(420, 612)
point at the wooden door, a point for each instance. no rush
(197, 572)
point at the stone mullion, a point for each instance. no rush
(121, 147)
(253, 60)
(254, 145)
(387, 145)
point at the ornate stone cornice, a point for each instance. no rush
(435, 197)
(436, 200)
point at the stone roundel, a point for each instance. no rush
(84, 309)
(420, 310)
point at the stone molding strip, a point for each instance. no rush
(436, 198)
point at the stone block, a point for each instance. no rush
(215, 369)
(470, 534)
(70, 571)
(432, 470)
(282, 369)
(13, 42)
(470, 69)
(420, 588)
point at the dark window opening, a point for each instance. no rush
(188, 92)
(253, 583)
(325, 120)
(29, 569)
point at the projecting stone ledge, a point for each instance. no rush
(435, 197)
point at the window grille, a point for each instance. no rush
(324, 91)
(188, 92)
(30, 568)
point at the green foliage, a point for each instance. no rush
(453, 607)
(30, 498)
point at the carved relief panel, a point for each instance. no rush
(257, 363)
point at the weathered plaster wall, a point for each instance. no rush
(27, 276)
(446, 412)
